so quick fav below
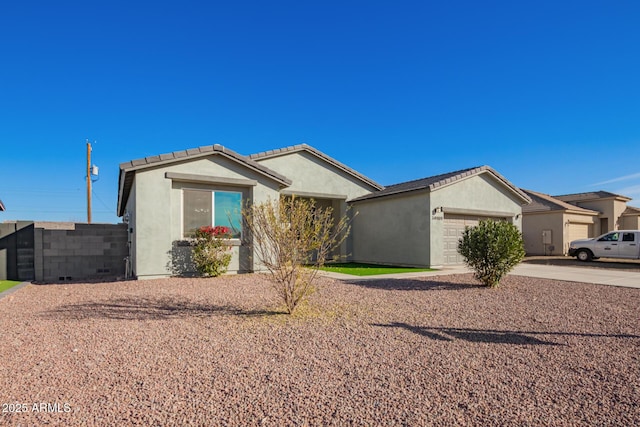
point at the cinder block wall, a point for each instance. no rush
(86, 252)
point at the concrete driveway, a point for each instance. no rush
(601, 276)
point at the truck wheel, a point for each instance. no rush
(584, 255)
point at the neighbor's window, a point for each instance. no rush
(204, 207)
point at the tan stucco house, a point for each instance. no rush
(164, 198)
(550, 223)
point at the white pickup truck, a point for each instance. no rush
(615, 244)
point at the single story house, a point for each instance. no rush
(164, 198)
(550, 223)
(418, 223)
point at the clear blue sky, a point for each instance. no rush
(545, 92)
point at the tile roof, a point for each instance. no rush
(317, 153)
(631, 210)
(128, 169)
(544, 203)
(434, 182)
(591, 195)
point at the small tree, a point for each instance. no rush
(292, 237)
(491, 249)
(211, 253)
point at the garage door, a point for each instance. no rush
(454, 226)
(578, 231)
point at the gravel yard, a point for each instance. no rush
(434, 351)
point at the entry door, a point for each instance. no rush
(628, 246)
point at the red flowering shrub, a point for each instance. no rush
(217, 231)
(211, 254)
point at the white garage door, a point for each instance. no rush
(454, 226)
(578, 231)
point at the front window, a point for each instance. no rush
(205, 207)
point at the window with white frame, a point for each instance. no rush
(201, 208)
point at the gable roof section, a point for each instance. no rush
(591, 195)
(304, 147)
(128, 169)
(631, 211)
(435, 182)
(545, 203)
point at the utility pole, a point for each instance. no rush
(88, 182)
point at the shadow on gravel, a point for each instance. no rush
(412, 284)
(150, 309)
(492, 335)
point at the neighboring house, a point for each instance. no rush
(550, 223)
(165, 198)
(630, 219)
(419, 223)
(610, 206)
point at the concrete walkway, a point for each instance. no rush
(599, 276)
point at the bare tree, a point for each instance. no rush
(292, 237)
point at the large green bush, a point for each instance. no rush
(211, 254)
(492, 249)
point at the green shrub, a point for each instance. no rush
(492, 249)
(211, 253)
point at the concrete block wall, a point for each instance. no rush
(89, 251)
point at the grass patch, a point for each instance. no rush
(7, 284)
(357, 269)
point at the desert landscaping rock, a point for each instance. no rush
(432, 351)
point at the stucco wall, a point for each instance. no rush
(630, 222)
(609, 208)
(533, 225)
(392, 230)
(479, 195)
(405, 229)
(312, 174)
(158, 211)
